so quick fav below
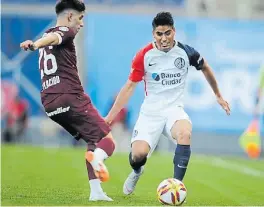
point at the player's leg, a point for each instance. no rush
(95, 184)
(104, 149)
(180, 129)
(79, 122)
(95, 132)
(92, 128)
(138, 155)
(137, 159)
(144, 140)
(96, 191)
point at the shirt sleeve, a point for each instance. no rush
(137, 68)
(195, 58)
(64, 34)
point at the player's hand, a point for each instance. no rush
(28, 45)
(224, 105)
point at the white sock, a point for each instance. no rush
(100, 154)
(95, 186)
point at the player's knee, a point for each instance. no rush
(140, 149)
(139, 157)
(184, 136)
(137, 160)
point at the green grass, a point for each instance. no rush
(46, 176)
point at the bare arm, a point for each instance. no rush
(122, 99)
(48, 40)
(209, 75)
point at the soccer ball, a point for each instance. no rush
(171, 192)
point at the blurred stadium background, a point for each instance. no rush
(228, 33)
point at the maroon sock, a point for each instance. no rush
(107, 144)
(90, 171)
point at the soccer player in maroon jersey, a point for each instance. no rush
(62, 94)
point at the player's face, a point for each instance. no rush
(164, 36)
(76, 21)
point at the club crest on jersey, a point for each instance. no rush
(179, 63)
(64, 29)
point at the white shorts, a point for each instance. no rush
(149, 128)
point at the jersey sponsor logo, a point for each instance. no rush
(64, 29)
(167, 78)
(155, 76)
(58, 111)
(179, 63)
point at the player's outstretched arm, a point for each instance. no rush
(209, 75)
(48, 40)
(122, 99)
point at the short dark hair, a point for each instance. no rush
(163, 18)
(77, 5)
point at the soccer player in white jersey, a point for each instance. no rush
(163, 65)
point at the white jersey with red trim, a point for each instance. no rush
(164, 74)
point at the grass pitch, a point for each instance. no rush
(48, 177)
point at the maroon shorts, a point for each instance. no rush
(76, 114)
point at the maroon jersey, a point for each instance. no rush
(58, 64)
